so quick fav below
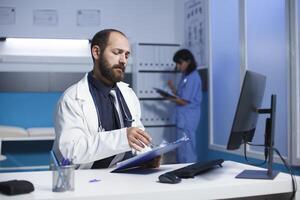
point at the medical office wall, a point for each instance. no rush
(79, 19)
(39, 65)
(31, 70)
(259, 36)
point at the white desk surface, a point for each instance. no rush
(216, 184)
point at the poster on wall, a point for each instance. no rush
(7, 15)
(45, 17)
(194, 35)
(88, 17)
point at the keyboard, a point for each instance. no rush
(190, 171)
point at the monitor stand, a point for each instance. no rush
(269, 143)
(257, 174)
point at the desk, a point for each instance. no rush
(216, 184)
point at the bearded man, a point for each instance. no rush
(97, 120)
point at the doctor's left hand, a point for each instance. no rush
(138, 138)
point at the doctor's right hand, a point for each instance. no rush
(136, 137)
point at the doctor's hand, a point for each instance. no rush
(136, 137)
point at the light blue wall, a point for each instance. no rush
(28, 109)
(266, 53)
(225, 67)
(298, 16)
(267, 40)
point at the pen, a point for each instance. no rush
(94, 180)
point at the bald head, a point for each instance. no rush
(101, 38)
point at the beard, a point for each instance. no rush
(111, 72)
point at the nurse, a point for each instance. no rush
(188, 98)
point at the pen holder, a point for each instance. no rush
(63, 179)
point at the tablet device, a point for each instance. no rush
(164, 93)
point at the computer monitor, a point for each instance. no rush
(245, 120)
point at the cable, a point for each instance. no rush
(289, 168)
(246, 158)
(294, 183)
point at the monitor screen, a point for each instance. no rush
(245, 119)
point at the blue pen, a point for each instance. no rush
(94, 180)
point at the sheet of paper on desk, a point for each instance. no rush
(144, 157)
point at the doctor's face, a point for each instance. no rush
(113, 59)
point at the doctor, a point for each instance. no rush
(188, 98)
(98, 119)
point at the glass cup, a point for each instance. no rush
(63, 179)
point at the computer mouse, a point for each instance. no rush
(169, 178)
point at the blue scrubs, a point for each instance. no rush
(187, 117)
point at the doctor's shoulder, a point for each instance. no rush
(69, 93)
(125, 87)
(127, 92)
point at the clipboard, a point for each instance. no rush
(164, 93)
(136, 161)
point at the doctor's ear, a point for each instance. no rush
(96, 51)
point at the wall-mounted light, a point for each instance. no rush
(46, 42)
(59, 47)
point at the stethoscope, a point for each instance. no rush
(125, 118)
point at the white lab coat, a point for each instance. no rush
(76, 126)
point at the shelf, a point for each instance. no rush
(158, 71)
